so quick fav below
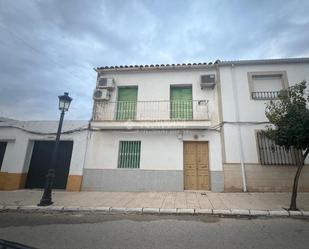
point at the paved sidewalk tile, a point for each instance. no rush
(168, 210)
(295, 213)
(117, 210)
(30, 207)
(240, 211)
(11, 207)
(134, 210)
(102, 209)
(305, 213)
(222, 211)
(278, 213)
(203, 211)
(259, 212)
(151, 210)
(185, 210)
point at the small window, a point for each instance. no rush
(266, 85)
(272, 154)
(129, 154)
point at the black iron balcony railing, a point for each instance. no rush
(265, 95)
(165, 110)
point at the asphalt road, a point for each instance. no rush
(81, 231)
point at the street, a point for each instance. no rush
(86, 230)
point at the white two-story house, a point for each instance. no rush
(155, 128)
(250, 161)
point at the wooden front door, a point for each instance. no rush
(196, 165)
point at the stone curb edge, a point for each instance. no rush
(146, 210)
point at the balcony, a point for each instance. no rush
(265, 95)
(151, 114)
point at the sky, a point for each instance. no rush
(48, 47)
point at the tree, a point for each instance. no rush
(289, 118)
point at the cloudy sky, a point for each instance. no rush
(51, 46)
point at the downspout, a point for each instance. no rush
(241, 149)
(88, 136)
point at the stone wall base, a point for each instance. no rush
(261, 178)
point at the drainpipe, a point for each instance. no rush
(88, 137)
(241, 150)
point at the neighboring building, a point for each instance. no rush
(26, 148)
(246, 87)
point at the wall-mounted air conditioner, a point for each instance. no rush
(101, 94)
(105, 83)
(208, 81)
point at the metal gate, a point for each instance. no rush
(40, 163)
(2, 151)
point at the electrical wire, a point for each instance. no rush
(80, 129)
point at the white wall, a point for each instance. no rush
(248, 139)
(19, 147)
(250, 110)
(160, 150)
(253, 110)
(155, 85)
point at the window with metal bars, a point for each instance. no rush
(129, 154)
(272, 154)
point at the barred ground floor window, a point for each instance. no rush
(129, 154)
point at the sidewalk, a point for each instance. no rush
(159, 202)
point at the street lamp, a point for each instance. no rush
(46, 200)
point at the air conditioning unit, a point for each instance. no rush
(105, 83)
(101, 94)
(208, 81)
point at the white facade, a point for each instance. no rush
(161, 154)
(20, 137)
(236, 97)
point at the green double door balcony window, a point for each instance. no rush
(126, 104)
(181, 103)
(180, 106)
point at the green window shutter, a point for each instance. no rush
(129, 154)
(127, 102)
(181, 103)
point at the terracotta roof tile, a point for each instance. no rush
(157, 65)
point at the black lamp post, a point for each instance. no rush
(64, 104)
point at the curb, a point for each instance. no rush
(160, 211)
